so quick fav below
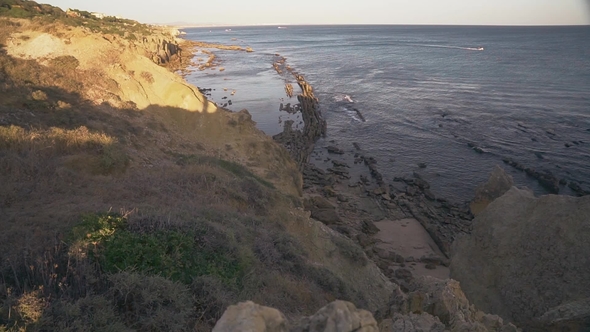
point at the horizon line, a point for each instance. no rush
(205, 25)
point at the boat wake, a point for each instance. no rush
(455, 47)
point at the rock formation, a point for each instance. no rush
(249, 316)
(338, 316)
(436, 305)
(300, 143)
(498, 184)
(527, 260)
(432, 305)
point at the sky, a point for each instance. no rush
(247, 12)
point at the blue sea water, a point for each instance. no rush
(425, 92)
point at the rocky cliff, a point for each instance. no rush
(527, 260)
(432, 305)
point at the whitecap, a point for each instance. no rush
(343, 97)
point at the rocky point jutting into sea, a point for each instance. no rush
(129, 201)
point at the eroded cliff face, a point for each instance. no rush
(527, 260)
(127, 65)
(90, 124)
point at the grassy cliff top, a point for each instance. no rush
(75, 18)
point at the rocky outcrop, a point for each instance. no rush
(249, 316)
(443, 220)
(412, 323)
(300, 143)
(441, 305)
(432, 305)
(338, 316)
(545, 178)
(322, 210)
(498, 184)
(528, 257)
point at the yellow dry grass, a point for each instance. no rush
(58, 140)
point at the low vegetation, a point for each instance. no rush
(120, 219)
(45, 14)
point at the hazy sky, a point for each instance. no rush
(236, 12)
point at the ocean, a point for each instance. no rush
(428, 94)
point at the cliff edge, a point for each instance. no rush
(131, 202)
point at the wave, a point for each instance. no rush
(343, 97)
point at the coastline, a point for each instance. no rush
(131, 201)
(352, 197)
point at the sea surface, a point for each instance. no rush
(425, 93)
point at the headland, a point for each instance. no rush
(129, 201)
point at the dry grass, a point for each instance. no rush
(167, 171)
(58, 140)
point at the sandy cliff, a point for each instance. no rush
(111, 163)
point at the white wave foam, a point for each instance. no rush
(343, 97)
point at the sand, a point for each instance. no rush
(406, 237)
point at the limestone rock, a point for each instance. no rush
(251, 317)
(498, 184)
(338, 316)
(526, 256)
(572, 316)
(322, 210)
(444, 300)
(414, 323)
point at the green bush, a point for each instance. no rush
(96, 228)
(179, 255)
(172, 254)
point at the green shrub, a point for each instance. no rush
(177, 254)
(95, 228)
(172, 254)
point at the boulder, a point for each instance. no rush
(527, 256)
(322, 210)
(572, 316)
(412, 323)
(498, 184)
(338, 316)
(444, 300)
(251, 317)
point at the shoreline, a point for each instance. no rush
(354, 207)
